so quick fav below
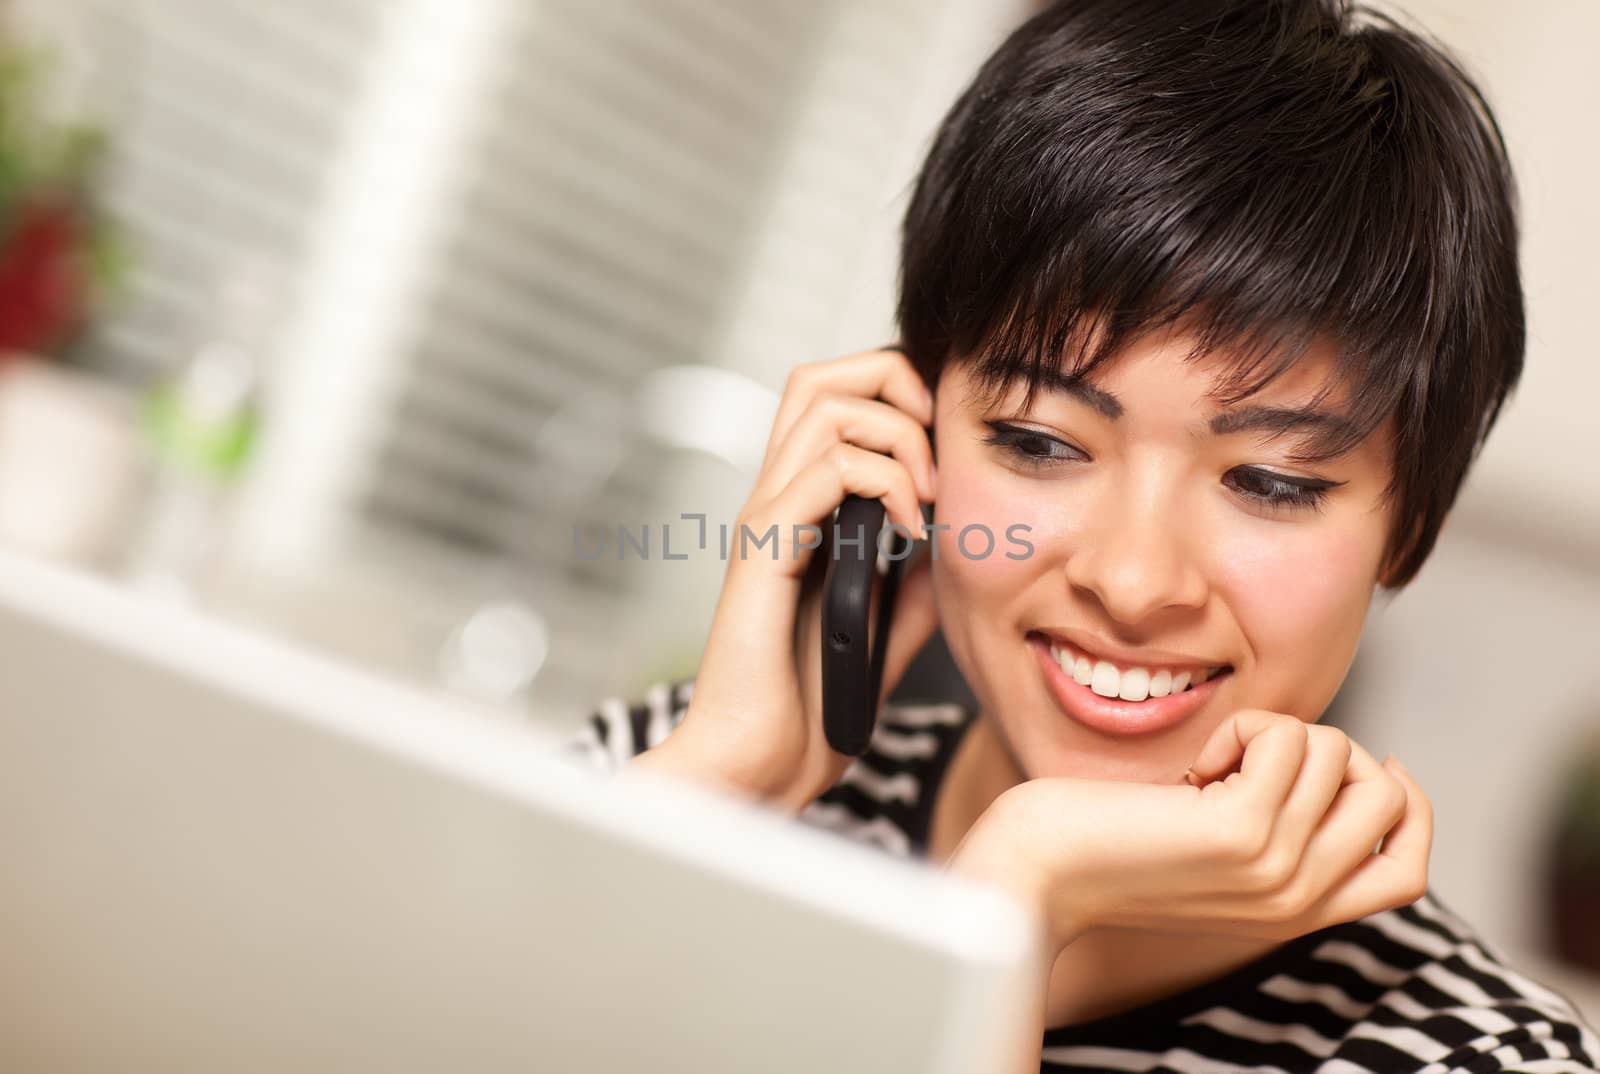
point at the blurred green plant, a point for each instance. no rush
(60, 257)
(1578, 831)
(1572, 860)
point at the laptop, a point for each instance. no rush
(219, 852)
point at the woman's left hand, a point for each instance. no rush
(1280, 847)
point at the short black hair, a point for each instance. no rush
(1267, 172)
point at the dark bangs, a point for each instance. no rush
(1263, 174)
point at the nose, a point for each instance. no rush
(1135, 557)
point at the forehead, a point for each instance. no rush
(1173, 361)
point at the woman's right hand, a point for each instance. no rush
(754, 723)
(1281, 847)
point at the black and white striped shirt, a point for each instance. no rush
(1410, 989)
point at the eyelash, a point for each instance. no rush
(1281, 493)
(1010, 439)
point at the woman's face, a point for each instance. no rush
(1154, 555)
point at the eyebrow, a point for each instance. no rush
(1273, 419)
(1084, 392)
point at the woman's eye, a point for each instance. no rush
(1029, 446)
(1277, 490)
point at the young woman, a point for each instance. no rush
(1213, 303)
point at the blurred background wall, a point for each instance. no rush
(1473, 675)
(482, 230)
(454, 277)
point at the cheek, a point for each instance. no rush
(973, 594)
(1301, 605)
(985, 515)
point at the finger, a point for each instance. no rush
(1325, 769)
(885, 374)
(808, 637)
(1268, 748)
(916, 617)
(1379, 803)
(867, 423)
(1413, 835)
(843, 469)
(1224, 747)
(1397, 875)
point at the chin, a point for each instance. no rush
(1112, 769)
(1047, 746)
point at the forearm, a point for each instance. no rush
(1023, 1056)
(990, 854)
(677, 759)
(720, 768)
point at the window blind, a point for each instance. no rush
(643, 184)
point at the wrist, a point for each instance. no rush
(1000, 851)
(712, 763)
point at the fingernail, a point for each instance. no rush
(1189, 777)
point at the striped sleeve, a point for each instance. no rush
(619, 729)
(1527, 1057)
(1523, 1051)
(1413, 990)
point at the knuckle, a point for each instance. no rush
(1419, 883)
(1272, 870)
(1395, 799)
(1412, 888)
(1253, 720)
(799, 378)
(908, 429)
(1293, 726)
(1424, 805)
(1286, 905)
(840, 456)
(823, 404)
(1331, 738)
(749, 516)
(1247, 840)
(897, 356)
(1271, 725)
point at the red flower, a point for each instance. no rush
(42, 281)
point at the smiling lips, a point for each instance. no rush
(1130, 683)
(1123, 699)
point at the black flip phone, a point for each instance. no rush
(852, 669)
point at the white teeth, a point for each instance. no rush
(1106, 680)
(1135, 685)
(1076, 666)
(1129, 684)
